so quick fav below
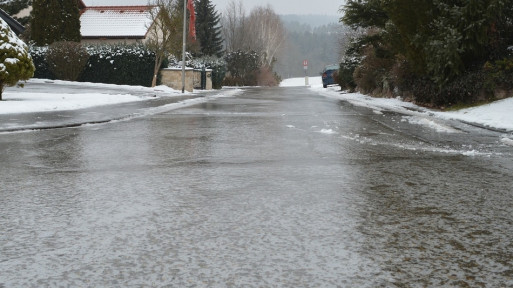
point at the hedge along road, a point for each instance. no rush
(273, 187)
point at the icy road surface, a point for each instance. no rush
(270, 188)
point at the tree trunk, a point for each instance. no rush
(156, 69)
(1, 90)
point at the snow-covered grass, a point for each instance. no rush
(41, 102)
(498, 114)
(19, 100)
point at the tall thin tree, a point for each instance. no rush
(70, 18)
(234, 25)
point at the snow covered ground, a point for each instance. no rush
(497, 115)
(19, 100)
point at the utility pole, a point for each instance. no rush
(184, 42)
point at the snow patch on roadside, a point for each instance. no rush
(422, 121)
(327, 131)
(44, 102)
(496, 115)
(507, 141)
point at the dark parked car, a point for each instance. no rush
(329, 75)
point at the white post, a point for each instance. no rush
(305, 65)
(184, 42)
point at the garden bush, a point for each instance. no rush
(39, 58)
(66, 59)
(499, 74)
(372, 75)
(243, 68)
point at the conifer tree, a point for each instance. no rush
(15, 61)
(208, 30)
(70, 18)
(39, 23)
(440, 39)
(55, 20)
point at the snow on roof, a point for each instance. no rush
(115, 22)
(91, 3)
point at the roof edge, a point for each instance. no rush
(137, 37)
(118, 7)
(16, 26)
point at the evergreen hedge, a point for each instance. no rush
(120, 64)
(111, 64)
(42, 67)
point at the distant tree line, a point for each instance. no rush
(434, 52)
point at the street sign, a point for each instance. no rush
(305, 64)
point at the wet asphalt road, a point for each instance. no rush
(271, 188)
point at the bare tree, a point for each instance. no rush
(164, 35)
(234, 26)
(267, 34)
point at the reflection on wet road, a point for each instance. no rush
(272, 188)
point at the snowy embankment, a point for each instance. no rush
(497, 115)
(19, 100)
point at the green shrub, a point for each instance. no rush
(67, 59)
(499, 74)
(346, 71)
(243, 68)
(372, 75)
(465, 89)
(42, 68)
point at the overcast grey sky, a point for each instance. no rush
(325, 7)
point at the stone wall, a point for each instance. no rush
(197, 79)
(172, 77)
